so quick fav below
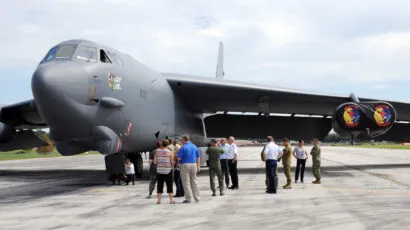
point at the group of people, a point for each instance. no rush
(179, 162)
(272, 154)
(175, 162)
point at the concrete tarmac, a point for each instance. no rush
(361, 189)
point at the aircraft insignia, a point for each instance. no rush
(114, 82)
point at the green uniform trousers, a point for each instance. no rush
(316, 169)
(287, 172)
(215, 170)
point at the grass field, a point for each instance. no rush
(21, 155)
(378, 146)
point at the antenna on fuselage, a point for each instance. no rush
(220, 64)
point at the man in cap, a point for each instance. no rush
(315, 152)
(214, 152)
(286, 162)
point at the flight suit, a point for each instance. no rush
(214, 153)
(286, 162)
(315, 152)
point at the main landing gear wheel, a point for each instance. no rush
(139, 165)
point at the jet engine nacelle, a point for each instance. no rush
(6, 132)
(369, 119)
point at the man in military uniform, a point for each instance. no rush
(315, 152)
(214, 152)
(286, 162)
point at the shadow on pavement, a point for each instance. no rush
(334, 169)
(22, 185)
(30, 184)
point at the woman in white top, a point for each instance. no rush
(301, 155)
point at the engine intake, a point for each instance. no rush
(369, 119)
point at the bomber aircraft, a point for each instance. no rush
(92, 97)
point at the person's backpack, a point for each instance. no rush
(262, 153)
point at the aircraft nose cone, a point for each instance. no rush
(43, 78)
(60, 93)
(62, 78)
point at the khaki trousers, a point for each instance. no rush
(188, 176)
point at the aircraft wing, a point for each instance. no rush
(211, 95)
(23, 114)
(206, 95)
(17, 122)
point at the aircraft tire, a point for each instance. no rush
(139, 165)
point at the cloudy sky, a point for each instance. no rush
(326, 46)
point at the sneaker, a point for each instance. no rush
(186, 202)
(149, 196)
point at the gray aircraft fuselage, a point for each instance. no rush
(115, 105)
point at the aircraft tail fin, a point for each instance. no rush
(220, 65)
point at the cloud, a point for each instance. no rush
(317, 45)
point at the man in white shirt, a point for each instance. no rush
(272, 153)
(233, 163)
(301, 154)
(129, 170)
(224, 161)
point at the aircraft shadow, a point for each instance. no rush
(25, 185)
(29, 184)
(331, 170)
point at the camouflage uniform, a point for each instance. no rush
(152, 173)
(286, 162)
(214, 153)
(315, 152)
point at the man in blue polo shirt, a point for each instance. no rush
(189, 160)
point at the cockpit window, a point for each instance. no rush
(65, 52)
(50, 55)
(104, 57)
(59, 52)
(85, 53)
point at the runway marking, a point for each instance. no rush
(368, 191)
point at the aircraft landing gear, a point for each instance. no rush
(114, 166)
(139, 166)
(136, 159)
